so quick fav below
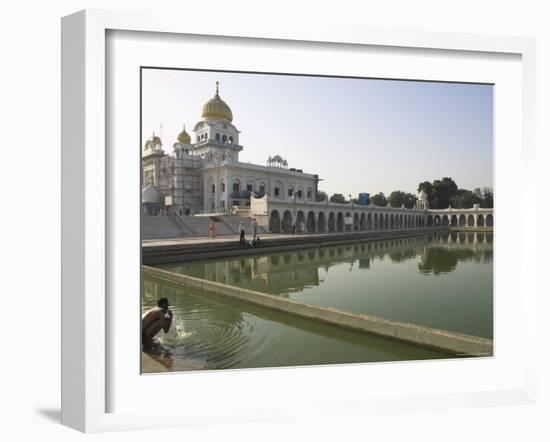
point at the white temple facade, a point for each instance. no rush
(206, 176)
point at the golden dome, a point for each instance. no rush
(183, 137)
(217, 108)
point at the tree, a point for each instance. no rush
(321, 196)
(380, 200)
(442, 192)
(426, 186)
(464, 199)
(487, 198)
(399, 198)
(338, 198)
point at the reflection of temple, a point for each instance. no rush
(293, 271)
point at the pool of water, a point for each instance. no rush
(209, 332)
(443, 281)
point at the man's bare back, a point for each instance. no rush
(153, 321)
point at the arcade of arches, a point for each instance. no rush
(286, 220)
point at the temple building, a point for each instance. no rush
(204, 175)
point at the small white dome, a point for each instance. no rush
(422, 196)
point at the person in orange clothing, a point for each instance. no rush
(212, 229)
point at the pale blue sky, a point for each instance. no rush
(359, 135)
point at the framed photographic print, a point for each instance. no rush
(295, 222)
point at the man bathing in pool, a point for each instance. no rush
(154, 320)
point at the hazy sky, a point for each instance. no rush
(359, 135)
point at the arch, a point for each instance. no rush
(445, 220)
(386, 222)
(310, 223)
(489, 220)
(321, 222)
(369, 221)
(210, 186)
(375, 221)
(462, 220)
(454, 221)
(236, 186)
(287, 222)
(480, 220)
(471, 220)
(392, 221)
(340, 222)
(437, 221)
(401, 221)
(331, 222)
(356, 223)
(290, 191)
(363, 224)
(430, 220)
(275, 222)
(300, 222)
(224, 138)
(278, 190)
(261, 187)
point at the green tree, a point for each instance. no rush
(464, 199)
(321, 196)
(487, 198)
(380, 200)
(338, 198)
(442, 192)
(426, 186)
(399, 198)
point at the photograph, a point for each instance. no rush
(294, 220)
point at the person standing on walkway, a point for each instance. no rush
(254, 226)
(242, 241)
(212, 229)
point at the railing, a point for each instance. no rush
(211, 213)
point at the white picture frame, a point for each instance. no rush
(86, 216)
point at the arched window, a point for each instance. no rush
(262, 187)
(290, 191)
(230, 140)
(236, 186)
(217, 137)
(223, 186)
(224, 138)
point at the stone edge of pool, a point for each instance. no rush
(443, 340)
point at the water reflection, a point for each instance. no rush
(284, 273)
(210, 332)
